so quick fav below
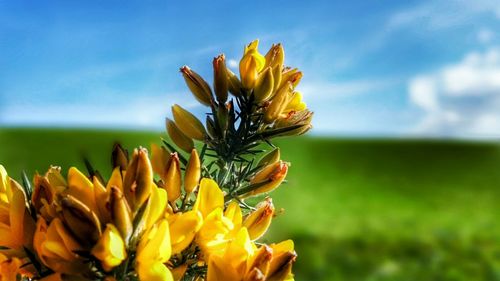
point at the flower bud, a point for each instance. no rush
(159, 159)
(250, 65)
(259, 220)
(270, 177)
(121, 215)
(110, 249)
(223, 118)
(193, 172)
(199, 87)
(82, 222)
(275, 56)
(270, 158)
(119, 157)
(264, 85)
(278, 103)
(220, 78)
(138, 179)
(178, 137)
(233, 83)
(188, 123)
(173, 178)
(43, 193)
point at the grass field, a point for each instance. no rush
(357, 209)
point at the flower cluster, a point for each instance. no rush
(180, 212)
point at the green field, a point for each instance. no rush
(357, 209)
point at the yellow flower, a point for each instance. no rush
(283, 258)
(275, 56)
(153, 251)
(210, 197)
(251, 64)
(79, 186)
(231, 263)
(157, 206)
(278, 103)
(110, 249)
(292, 76)
(259, 220)
(233, 213)
(215, 234)
(9, 267)
(183, 228)
(16, 225)
(242, 260)
(56, 247)
(270, 177)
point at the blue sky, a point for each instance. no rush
(371, 68)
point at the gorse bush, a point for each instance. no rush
(180, 212)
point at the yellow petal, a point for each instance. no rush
(154, 271)
(155, 244)
(193, 172)
(219, 269)
(156, 208)
(233, 212)
(79, 186)
(210, 197)
(183, 227)
(116, 179)
(110, 249)
(259, 220)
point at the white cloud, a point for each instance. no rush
(461, 99)
(232, 63)
(423, 93)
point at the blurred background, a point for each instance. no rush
(398, 180)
